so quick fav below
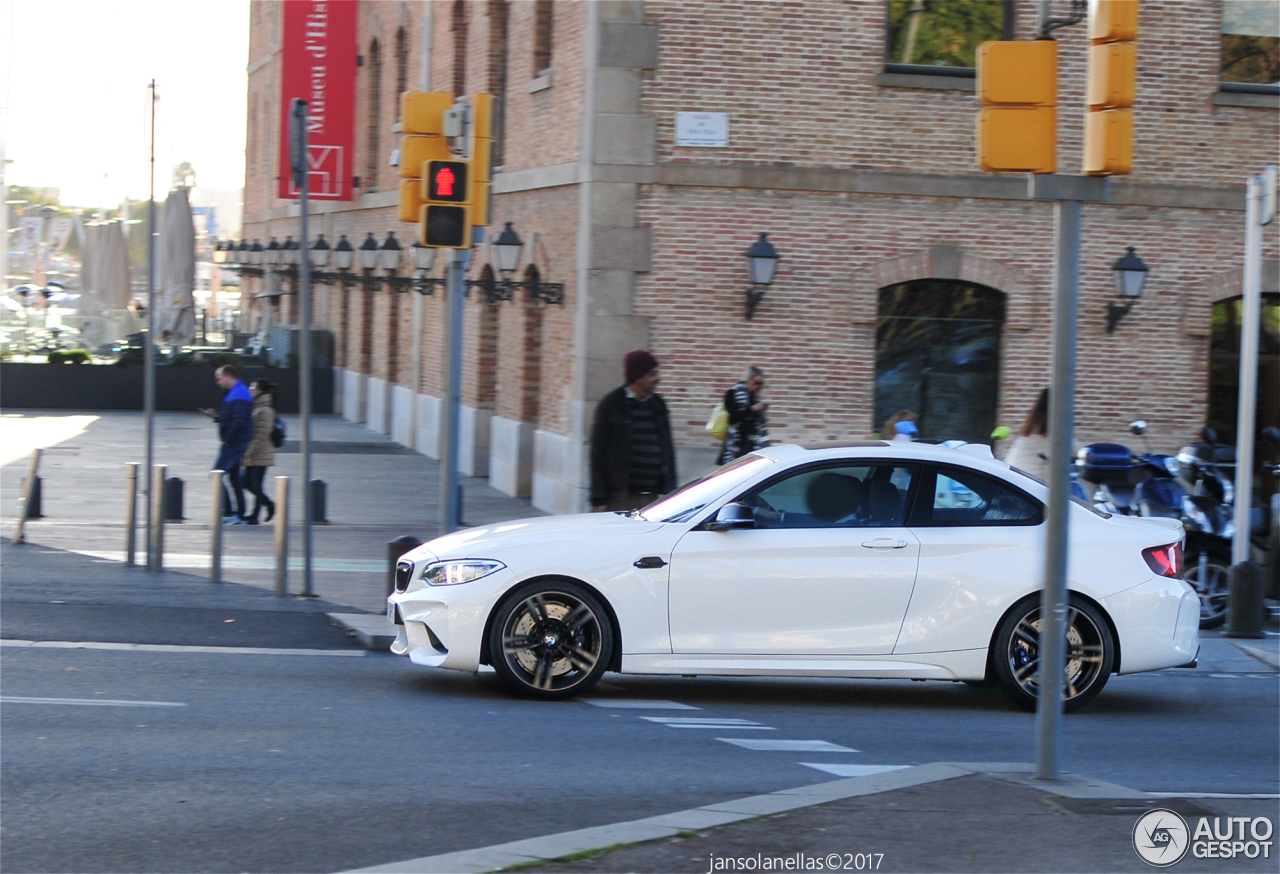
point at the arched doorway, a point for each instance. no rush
(1224, 371)
(938, 355)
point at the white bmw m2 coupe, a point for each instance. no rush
(879, 560)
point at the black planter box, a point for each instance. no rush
(108, 387)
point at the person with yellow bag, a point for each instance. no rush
(742, 425)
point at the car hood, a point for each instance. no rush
(486, 540)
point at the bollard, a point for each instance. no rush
(156, 559)
(215, 526)
(282, 536)
(319, 495)
(173, 489)
(32, 504)
(19, 535)
(1245, 607)
(130, 512)
(395, 549)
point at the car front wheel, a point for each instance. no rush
(1090, 654)
(551, 639)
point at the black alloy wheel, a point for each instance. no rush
(1090, 653)
(551, 639)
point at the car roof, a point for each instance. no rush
(973, 455)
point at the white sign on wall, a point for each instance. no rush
(706, 130)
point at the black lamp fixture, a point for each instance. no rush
(389, 253)
(242, 252)
(424, 257)
(343, 254)
(220, 253)
(507, 248)
(762, 264)
(369, 253)
(255, 254)
(273, 253)
(1131, 275)
(289, 253)
(319, 253)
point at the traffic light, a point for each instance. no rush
(481, 157)
(446, 227)
(1113, 70)
(1018, 87)
(422, 140)
(446, 182)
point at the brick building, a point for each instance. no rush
(908, 279)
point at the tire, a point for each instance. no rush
(1091, 653)
(1213, 588)
(550, 640)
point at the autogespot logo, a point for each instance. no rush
(1161, 837)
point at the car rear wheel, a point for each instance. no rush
(1090, 655)
(551, 639)
(1208, 571)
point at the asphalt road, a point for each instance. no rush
(324, 762)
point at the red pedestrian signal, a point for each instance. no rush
(447, 181)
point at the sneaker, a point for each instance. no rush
(234, 520)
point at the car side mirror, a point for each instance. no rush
(732, 516)
(1138, 427)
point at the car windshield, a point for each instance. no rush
(680, 505)
(1074, 498)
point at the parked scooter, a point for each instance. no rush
(1117, 472)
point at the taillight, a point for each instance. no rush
(1165, 560)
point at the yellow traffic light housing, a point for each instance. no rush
(445, 226)
(1018, 126)
(422, 112)
(1111, 89)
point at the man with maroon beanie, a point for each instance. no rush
(633, 461)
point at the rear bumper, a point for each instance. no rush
(1158, 624)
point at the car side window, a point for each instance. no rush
(967, 498)
(851, 496)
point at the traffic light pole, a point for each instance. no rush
(298, 160)
(1069, 192)
(450, 503)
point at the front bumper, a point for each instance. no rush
(443, 626)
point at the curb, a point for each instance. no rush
(1268, 658)
(372, 629)
(550, 847)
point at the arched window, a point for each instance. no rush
(1224, 369)
(459, 28)
(938, 356)
(402, 67)
(543, 24)
(375, 117)
(498, 14)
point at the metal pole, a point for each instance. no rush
(157, 517)
(301, 177)
(130, 513)
(1053, 603)
(1249, 322)
(449, 509)
(282, 536)
(28, 487)
(215, 526)
(148, 352)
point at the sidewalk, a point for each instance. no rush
(377, 491)
(946, 816)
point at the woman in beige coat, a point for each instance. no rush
(261, 453)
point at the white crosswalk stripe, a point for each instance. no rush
(787, 746)
(853, 770)
(693, 722)
(636, 704)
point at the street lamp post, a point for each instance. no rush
(762, 264)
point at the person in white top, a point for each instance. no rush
(1030, 450)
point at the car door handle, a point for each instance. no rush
(885, 543)
(649, 561)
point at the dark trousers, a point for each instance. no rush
(229, 461)
(253, 479)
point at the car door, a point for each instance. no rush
(981, 539)
(828, 568)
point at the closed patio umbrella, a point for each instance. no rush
(176, 271)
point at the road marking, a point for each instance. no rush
(161, 647)
(88, 702)
(693, 722)
(854, 770)
(1262, 795)
(636, 704)
(787, 746)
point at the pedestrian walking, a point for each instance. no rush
(633, 458)
(1030, 449)
(747, 431)
(261, 453)
(235, 430)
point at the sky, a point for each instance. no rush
(77, 73)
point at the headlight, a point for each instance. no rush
(452, 573)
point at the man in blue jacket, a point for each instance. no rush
(235, 430)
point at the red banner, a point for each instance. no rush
(319, 65)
